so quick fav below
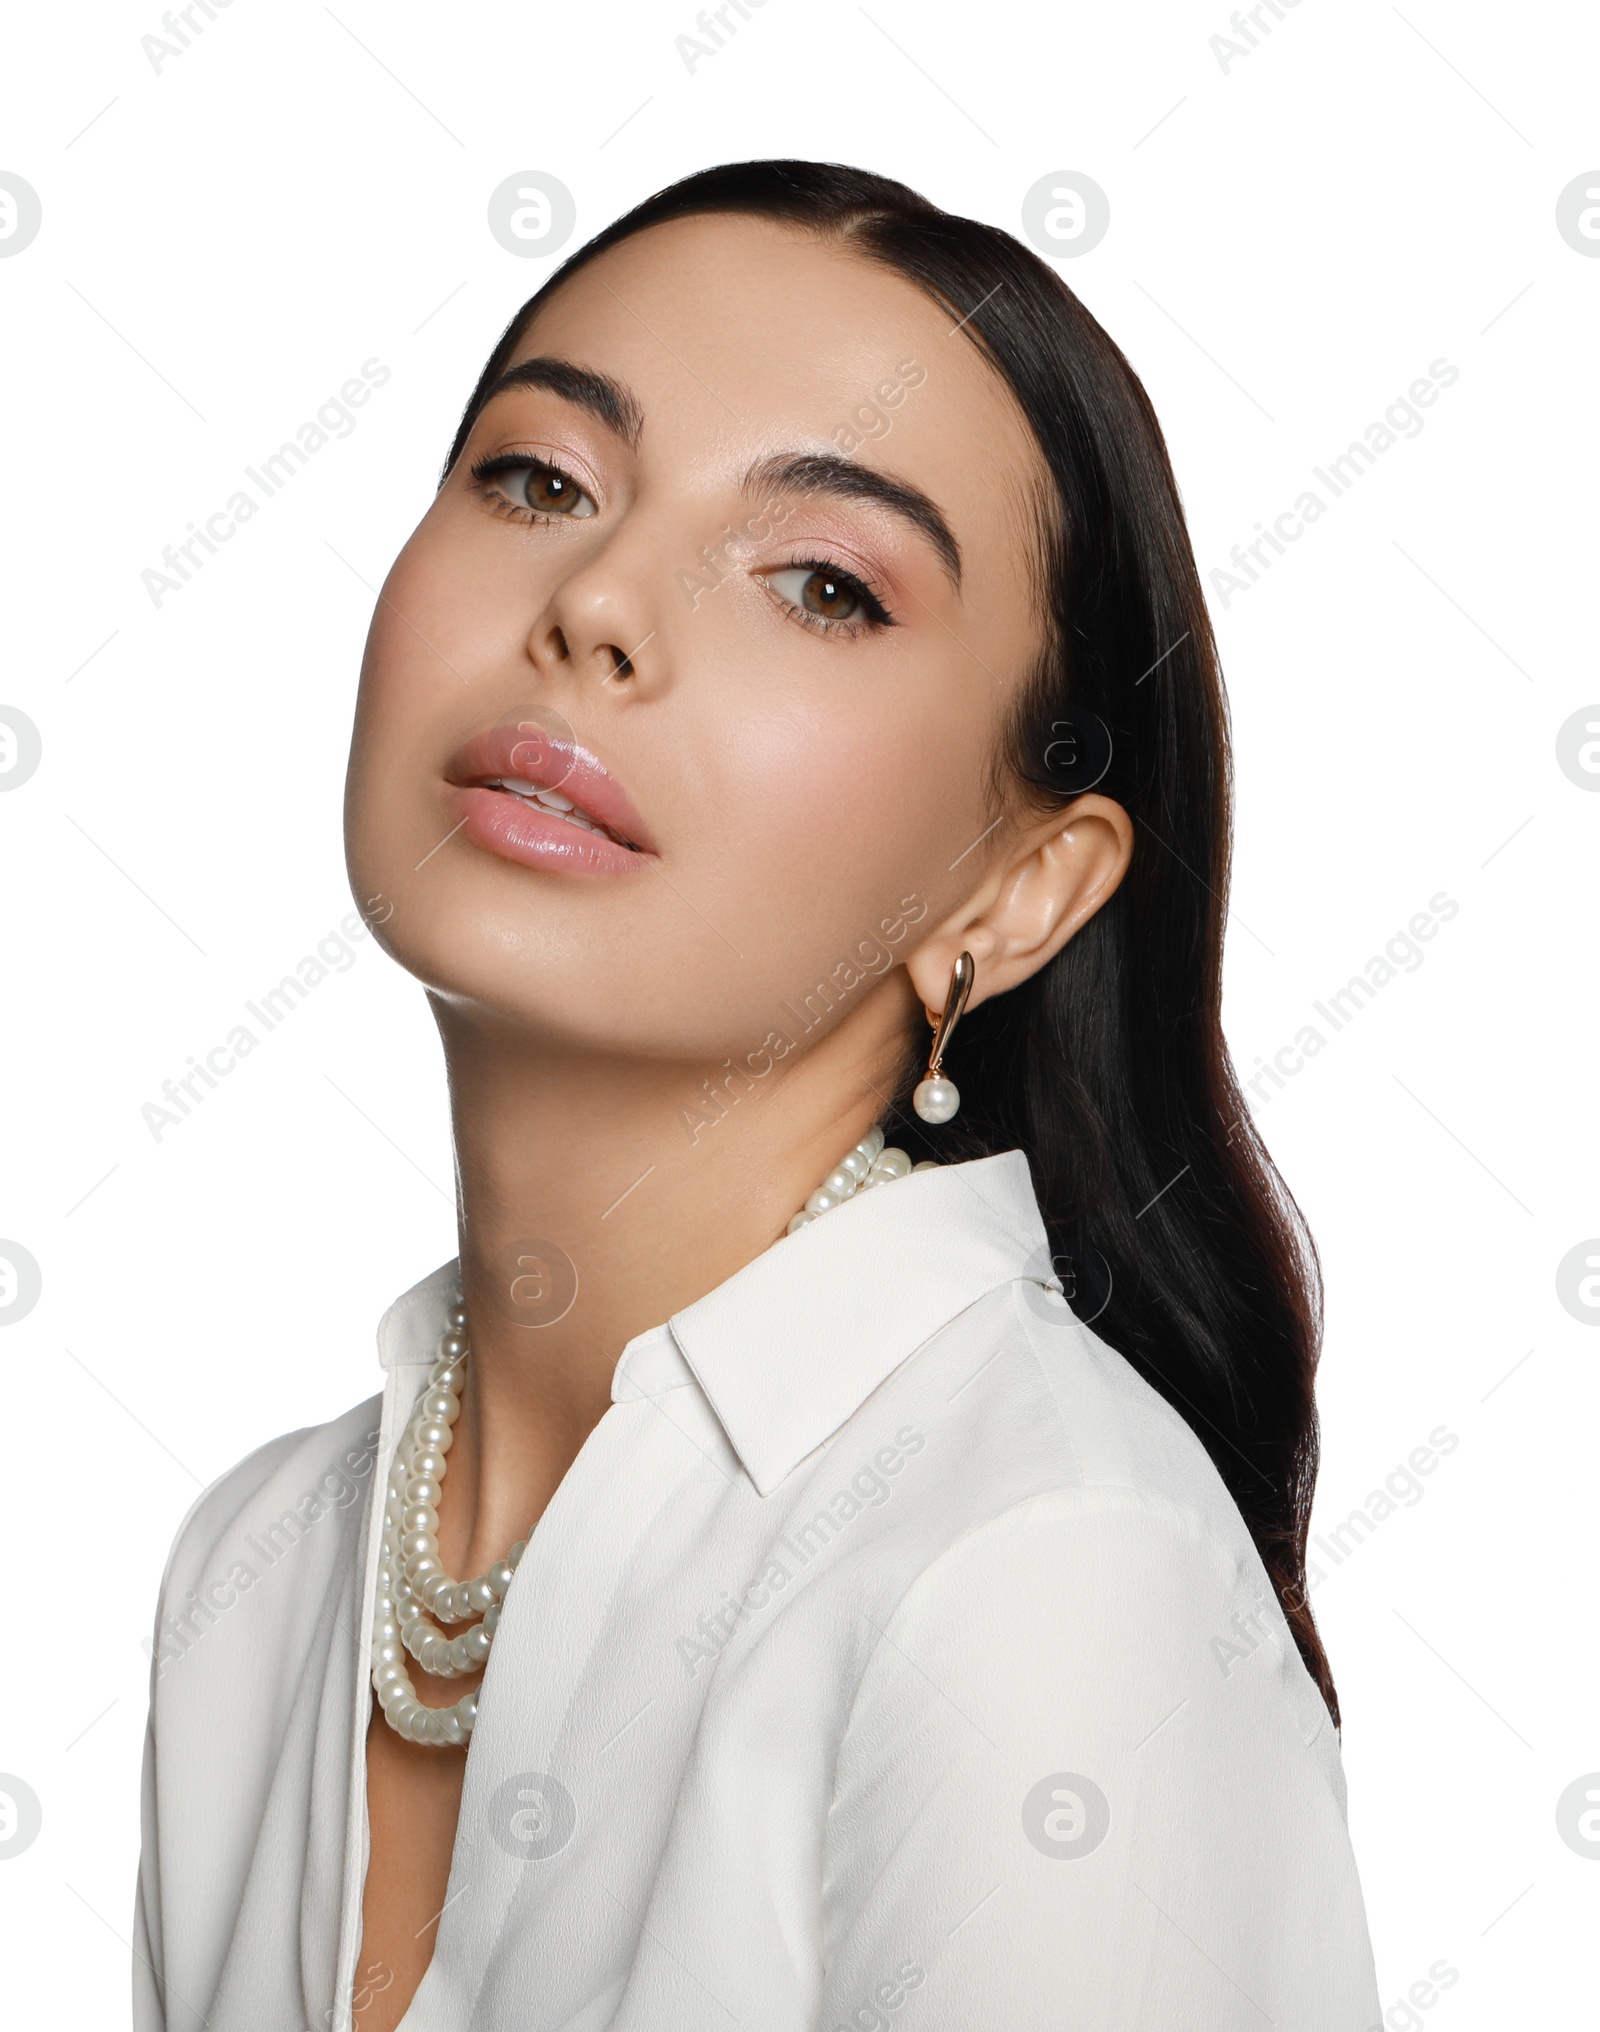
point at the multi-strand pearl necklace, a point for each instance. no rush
(415, 1594)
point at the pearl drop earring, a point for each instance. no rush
(936, 1098)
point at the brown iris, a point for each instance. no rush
(550, 492)
(829, 596)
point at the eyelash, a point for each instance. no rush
(877, 614)
(489, 469)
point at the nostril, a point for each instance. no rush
(622, 665)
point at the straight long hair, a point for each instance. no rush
(1168, 1221)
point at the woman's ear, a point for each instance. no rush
(1046, 882)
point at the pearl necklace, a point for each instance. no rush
(413, 1586)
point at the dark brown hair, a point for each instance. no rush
(1171, 1227)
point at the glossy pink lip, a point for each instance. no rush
(503, 823)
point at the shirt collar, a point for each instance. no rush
(409, 1331)
(788, 1347)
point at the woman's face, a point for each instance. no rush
(737, 563)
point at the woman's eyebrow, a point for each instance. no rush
(841, 479)
(609, 401)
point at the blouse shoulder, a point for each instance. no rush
(1097, 1528)
(302, 1475)
(1083, 1738)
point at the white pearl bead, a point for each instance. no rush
(839, 1182)
(857, 1163)
(499, 1577)
(514, 1556)
(423, 1490)
(420, 1517)
(892, 1164)
(480, 1594)
(871, 1143)
(491, 1619)
(435, 1435)
(427, 1465)
(799, 1221)
(936, 1100)
(476, 1645)
(822, 1201)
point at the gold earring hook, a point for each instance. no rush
(961, 979)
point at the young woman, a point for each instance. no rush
(775, 1589)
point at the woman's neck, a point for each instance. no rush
(598, 1196)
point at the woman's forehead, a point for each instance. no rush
(753, 336)
(751, 299)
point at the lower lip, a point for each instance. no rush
(501, 823)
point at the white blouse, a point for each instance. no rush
(891, 1656)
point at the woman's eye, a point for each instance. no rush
(550, 492)
(536, 486)
(830, 595)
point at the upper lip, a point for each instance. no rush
(528, 754)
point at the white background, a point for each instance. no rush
(1294, 239)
